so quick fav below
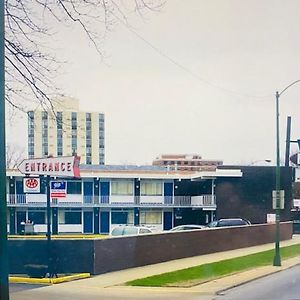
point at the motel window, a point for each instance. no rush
(74, 187)
(37, 217)
(122, 217)
(122, 187)
(72, 217)
(150, 217)
(151, 188)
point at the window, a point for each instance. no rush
(72, 217)
(74, 187)
(37, 217)
(122, 187)
(59, 120)
(150, 217)
(122, 217)
(88, 116)
(151, 188)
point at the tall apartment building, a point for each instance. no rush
(186, 162)
(66, 131)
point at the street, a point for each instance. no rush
(284, 285)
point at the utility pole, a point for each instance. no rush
(277, 259)
(4, 291)
(288, 141)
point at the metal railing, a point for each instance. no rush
(107, 201)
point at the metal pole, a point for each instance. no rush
(49, 228)
(4, 289)
(277, 260)
(288, 141)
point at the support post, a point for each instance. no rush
(49, 250)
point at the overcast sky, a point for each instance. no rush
(198, 77)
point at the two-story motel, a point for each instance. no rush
(108, 196)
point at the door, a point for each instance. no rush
(21, 217)
(87, 222)
(167, 220)
(168, 192)
(104, 192)
(104, 222)
(87, 191)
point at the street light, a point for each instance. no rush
(4, 290)
(277, 260)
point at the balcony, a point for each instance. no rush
(78, 200)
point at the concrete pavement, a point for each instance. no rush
(110, 284)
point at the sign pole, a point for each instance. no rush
(49, 227)
(4, 289)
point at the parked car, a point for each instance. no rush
(130, 230)
(229, 222)
(186, 227)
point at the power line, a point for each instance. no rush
(196, 76)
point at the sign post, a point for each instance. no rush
(64, 166)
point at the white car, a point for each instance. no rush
(130, 230)
(186, 227)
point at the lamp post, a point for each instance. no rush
(277, 259)
(4, 289)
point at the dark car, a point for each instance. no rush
(186, 227)
(229, 222)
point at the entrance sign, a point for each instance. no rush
(66, 166)
(58, 189)
(31, 185)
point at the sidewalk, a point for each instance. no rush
(111, 285)
(120, 277)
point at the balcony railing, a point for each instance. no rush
(208, 201)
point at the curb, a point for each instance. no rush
(48, 281)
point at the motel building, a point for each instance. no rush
(107, 196)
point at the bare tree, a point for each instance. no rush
(14, 156)
(30, 64)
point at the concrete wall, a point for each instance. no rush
(105, 255)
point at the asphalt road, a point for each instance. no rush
(284, 285)
(18, 287)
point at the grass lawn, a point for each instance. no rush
(198, 274)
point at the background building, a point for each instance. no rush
(187, 162)
(65, 131)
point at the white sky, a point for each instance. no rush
(153, 105)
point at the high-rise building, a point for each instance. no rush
(186, 162)
(65, 131)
